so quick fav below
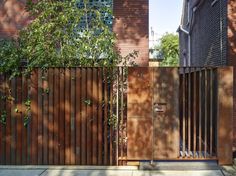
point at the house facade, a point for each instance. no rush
(208, 37)
(130, 24)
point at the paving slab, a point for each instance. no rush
(67, 167)
(21, 172)
(130, 173)
(87, 173)
(229, 170)
(103, 171)
(74, 172)
(178, 173)
(183, 165)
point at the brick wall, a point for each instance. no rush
(130, 24)
(12, 17)
(131, 27)
(232, 53)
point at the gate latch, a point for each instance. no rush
(159, 107)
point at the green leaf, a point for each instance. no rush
(26, 121)
(3, 117)
(88, 102)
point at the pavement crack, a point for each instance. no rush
(222, 172)
(43, 172)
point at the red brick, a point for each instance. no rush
(12, 17)
(130, 24)
(131, 27)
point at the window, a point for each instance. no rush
(103, 6)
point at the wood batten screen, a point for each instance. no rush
(206, 113)
(198, 112)
(98, 116)
(71, 118)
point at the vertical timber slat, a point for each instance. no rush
(111, 119)
(122, 115)
(211, 111)
(78, 116)
(184, 111)
(2, 122)
(105, 118)
(200, 114)
(100, 122)
(83, 122)
(189, 112)
(89, 117)
(40, 118)
(194, 113)
(56, 109)
(72, 108)
(45, 116)
(18, 117)
(8, 122)
(67, 116)
(206, 115)
(50, 115)
(62, 117)
(117, 116)
(34, 115)
(13, 120)
(95, 123)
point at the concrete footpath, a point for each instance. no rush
(104, 171)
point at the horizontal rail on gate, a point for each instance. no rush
(63, 116)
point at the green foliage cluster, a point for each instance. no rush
(3, 117)
(54, 38)
(10, 56)
(169, 47)
(27, 112)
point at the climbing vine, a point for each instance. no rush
(27, 103)
(3, 117)
(56, 38)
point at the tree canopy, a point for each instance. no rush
(169, 47)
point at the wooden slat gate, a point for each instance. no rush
(180, 113)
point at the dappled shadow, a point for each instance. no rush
(68, 119)
(13, 17)
(153, 134)
(131, 27)
(225, 128)
(166, 121)
(131, 20)
(232, 54)
(232, 31)
(139, 115)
